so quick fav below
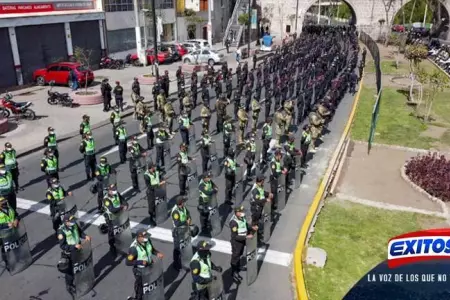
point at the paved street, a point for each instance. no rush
(114, 280)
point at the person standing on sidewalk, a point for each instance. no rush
(74, 79)
(227, 45)
(238, 55)
(118, 95)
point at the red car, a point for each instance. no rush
(162, 57)
(59, 72)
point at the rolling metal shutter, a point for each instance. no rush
(86, 35)
(8, 76)
(39, 46)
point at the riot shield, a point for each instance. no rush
(252, 261)
(281, 192)
(215, 289)
(161, 209)
(215, 168)
(267, 221)
(239, 185)
(192, 140)
(66, 206)
(183, 241)
(167, 155)
(214, 217)
(192, 180)
(16, 248)
(121, 230)
(298, 171)
(153, 280)
(83, 269)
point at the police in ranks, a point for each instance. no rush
(276, 168)
(243, 119)
(85, 125)
(8, 219)
(180, 217)
(51, 142)
(207, 188)
(185, 124)
(250, 154)
(102, 171)
(183, 159)
(266, 138)
(115, 120)
(49, 165)
(169, 114)
(140, 257)
(87, 148)
(55, 194)
(230, 165)
(122, 138)
(8, 157)
(258, 199)
(205, 114)
(70, 237)
(162, 136)
(147, 125)
(113, 203)
(305, 143)
(205, 143)
(153, 180)
(256, 109)
(228, 130)
(221, 110)
(201, 270)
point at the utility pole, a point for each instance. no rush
(140, 52)
(425, 15)
(155, 34)
(209, 26)
(296, 17)
(318, 14)
(249, 26)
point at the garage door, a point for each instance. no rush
(90, 41)
(39, 46)
(7, 71)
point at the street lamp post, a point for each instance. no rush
(209, 26)
(155, 42)
(249, 25)
(140, 52)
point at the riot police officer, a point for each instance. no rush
(87, 148)
(230, 175)
(250, 155)
(113, 203)
(205, 114)
(139, 257)
(248, 96)
(51, 142)
(155, 92)
(276, 169)
(55, 193)
(70, 237)
(148, 127)
(237, 104)
(185, 124)
(304, 143)
(259, 197)
(187, 104)
(205, 95)
(206, 189)
(221, 110)
(136, 152)
(228, 129)
(85, 125)
(256, 108)
(280, 125)
(102, 171)
(201, 266)
(49, 165)
(169, 115)
(229, 87)
(122, 137)
(9, 158)
(115, 120)
(180, 217)
(7, 189)
(182, 160)
(161, 99)
(266, 138)
(205, 142)
(241, 230)
(161, 137)
(153, 180)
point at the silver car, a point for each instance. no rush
(211, 57)
(191, 47)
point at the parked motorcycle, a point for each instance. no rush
(18, 109)
(55, 98)
(111, 63)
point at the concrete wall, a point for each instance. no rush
(125, 19)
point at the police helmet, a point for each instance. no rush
(205, 132)
(8, 145)
(203, 245)
(49, 152)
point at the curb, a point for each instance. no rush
(424, 193)
(94, 99)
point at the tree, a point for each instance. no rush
(244, 19)
(436, 82)
(192, 21)
(83, 56)
(415, 54)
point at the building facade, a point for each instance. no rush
(35, 33)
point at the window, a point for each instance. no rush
(119, 5)
(196, 53)
(206, 52)
(203, 5)
(164, 4)
(65, 69)
(53, 69)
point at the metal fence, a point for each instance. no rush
(375, 52)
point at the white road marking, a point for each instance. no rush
(162, 234)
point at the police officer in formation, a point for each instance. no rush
(51, 142)
(162, 136)
(8, 219)
(266, 138)
(258, 199)
(180, 217)
(9, 158)
(205, 114)
(113, 203)
(250, 155)
(102, 171)
(207, 188)
(183, 159)
(115, 120)
(185, 124)
(140, 257)
(56, 194)
(276, 169)
(49, 165)
(228, 130)
(205, 144)
(201, 270)
(241, 230)
(85, 125)
(221, 110)
(71, 238)
(87, 148)
(153, 180)
(230, 165)
(136, 164)
(122, 139)
(305, 143)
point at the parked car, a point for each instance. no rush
(162, 57)
(59, 73)
(210, 57)
(176, 47)
(191, 47)
(202, 43)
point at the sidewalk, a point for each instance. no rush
(376, 177)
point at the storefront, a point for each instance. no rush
(35, 33)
